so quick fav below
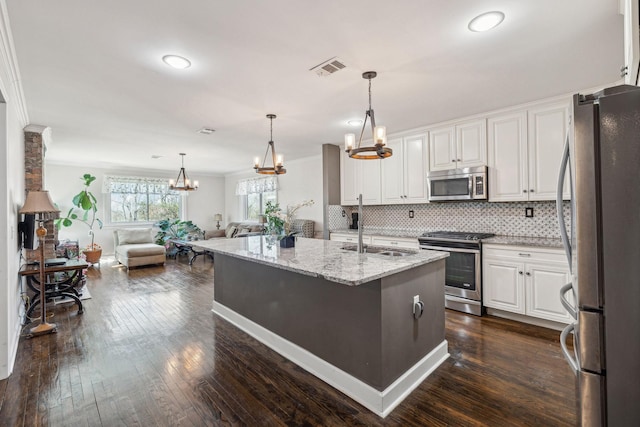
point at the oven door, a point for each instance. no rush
(462, 276)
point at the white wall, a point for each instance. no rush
(302, 181)
(64, 181)
(13, 118)
(12, 199)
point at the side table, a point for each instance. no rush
(186, 246)
(55, 286)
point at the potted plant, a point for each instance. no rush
(84, 210)
(175, 229)
(279, 222)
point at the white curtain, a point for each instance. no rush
(256, 185)
(135, 185)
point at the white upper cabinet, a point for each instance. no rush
(548, 126)
(404, 173)
(629, 69)
(461, 146)
(507, 156)
(393, 174)
(525, 150)
(359, 177)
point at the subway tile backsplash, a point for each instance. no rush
(499, 218)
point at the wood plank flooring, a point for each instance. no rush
(148, 351)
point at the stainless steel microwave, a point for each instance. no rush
(458, 184)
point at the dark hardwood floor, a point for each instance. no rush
(148, 351)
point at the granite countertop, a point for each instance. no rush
(543, 242)
(320, 258)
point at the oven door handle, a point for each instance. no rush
(443, 249)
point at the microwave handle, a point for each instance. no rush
(472, 193)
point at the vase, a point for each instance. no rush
(288, 242)
(93, 257)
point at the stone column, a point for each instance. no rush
(35, 138)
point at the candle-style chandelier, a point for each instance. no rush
(182, 182)
(378, 150)
(278, 167)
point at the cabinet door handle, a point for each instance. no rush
(521, 254)
(519, 272)
(531, 191)
(394, 243)
(453, 160)
(524, 191)
(458, 159)
(528, 273)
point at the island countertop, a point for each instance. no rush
(319, 258)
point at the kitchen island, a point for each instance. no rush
(347, 318)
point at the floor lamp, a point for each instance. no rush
(39, 202)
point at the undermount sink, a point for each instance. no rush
(395, 253)
(379, 251)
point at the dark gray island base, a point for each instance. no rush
(362, 339)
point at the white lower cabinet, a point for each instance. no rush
(349, 238)
(391, 242)
(525, 280)
(395, 242)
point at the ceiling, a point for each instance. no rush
(92, 71)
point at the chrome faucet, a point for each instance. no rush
(360, 243)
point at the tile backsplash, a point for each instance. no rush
(499, 218)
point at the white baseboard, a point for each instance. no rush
(380, 402)
(550, 324)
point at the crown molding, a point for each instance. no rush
(11, 89)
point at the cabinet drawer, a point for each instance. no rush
(395, 242)
(349, 238)
(524, 253)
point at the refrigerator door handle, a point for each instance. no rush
(565, 351)
(564, 165)
(565, 302)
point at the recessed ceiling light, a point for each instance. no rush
(176, 61)
(486, 21)
(356, 122)
(206, 131)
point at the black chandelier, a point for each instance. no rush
(378, 150)
(277, 168)
(182, 182)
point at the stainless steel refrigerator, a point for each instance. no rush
(603, 250)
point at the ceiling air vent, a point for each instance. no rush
(328, 67)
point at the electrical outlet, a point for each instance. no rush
(411, 214)
(343, 213)
(528, 212)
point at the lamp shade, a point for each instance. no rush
(38, 202)
(217, 217)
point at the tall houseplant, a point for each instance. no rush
(85, 207)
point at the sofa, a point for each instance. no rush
(235, 229)
(135, 247)
(302, 228)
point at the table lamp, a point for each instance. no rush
(39, 202)
(218, 218)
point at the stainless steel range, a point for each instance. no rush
(463, 277)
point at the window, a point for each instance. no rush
(255, 204)
(140, 200)
(255, 194)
